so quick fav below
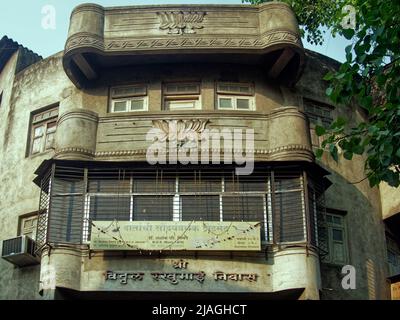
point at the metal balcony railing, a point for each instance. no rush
(286, 200)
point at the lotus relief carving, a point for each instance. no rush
(181, 22)
(180, 131)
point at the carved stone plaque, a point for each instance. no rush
(181, 22)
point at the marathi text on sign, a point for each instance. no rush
(170, 235)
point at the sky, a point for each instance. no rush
(21, 20)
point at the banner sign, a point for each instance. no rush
(179, 235)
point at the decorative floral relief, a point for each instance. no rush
(181, 22)
(180, 130)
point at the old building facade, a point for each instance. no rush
(76, 177)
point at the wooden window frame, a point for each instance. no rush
(329, 231)
(43, 119)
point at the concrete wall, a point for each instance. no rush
(45, 83)
(365, 229)
(38, 86)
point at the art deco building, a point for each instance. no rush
(106, 223)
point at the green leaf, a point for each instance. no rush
(348, 33)
(328, 76)
(348, 155)
(358, 149)
(334, 152)
(320, 131)
(319, 153)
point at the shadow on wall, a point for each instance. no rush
(365, 240)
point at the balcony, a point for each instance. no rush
(286, 200)
(104, 38)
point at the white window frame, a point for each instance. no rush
(29, 230)
(169, 99)
(235, 96)
(129, 104)
(128, 98)
(234, 102)
(183, 96)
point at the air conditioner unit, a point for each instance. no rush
(20, 251)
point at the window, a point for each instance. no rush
(43, 129)
(129, 98)
(393, 255)
(181, 96)
(28, 226)
(336, 239)
(318, 114)
(235, 96)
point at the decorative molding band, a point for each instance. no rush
(75, 150)
(202, 42)
(141, 152)
(84, 39)
(91, 7)
(79, 114)
(204, 114)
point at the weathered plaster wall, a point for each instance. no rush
(390, 200)
(38, 86)
(45, 83)
(365, 230)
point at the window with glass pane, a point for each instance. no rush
(225, 103)
(129, 98)
(137, 104)
(177, 96)
(336, 240)
(243, 104)
(235, 96)
(43, 129)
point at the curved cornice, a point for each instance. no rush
(137, 31)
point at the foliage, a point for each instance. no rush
(369, 78)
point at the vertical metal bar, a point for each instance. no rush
(275, 217)
(315, 217)
(84, 199)
(270, 224)
(53, 170)
(39, 221)
(307, 207)
(221, 210)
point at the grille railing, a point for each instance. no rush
(288, 206)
